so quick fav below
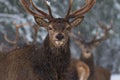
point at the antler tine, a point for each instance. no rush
(40, 11)
(69, 9)
(87, 8)
(49, 9)
(16, 38)
(89, 4)
(26, 7)
(9, 41)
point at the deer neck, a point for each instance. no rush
(60, 57)
(88, 59)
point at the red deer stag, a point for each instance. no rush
(52, 59)
(96, 73)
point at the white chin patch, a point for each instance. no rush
(59, 43)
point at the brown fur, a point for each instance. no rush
(102, 73)
(36, 63)
(78, 71)
(41, 63)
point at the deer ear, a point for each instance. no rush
(76, 21)
(41, 22)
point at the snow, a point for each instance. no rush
(117, 5)
(115, 77)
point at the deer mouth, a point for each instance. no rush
(58, 43)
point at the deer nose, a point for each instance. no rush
(60, 36)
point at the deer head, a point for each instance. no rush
(86, 46)
(58, 28)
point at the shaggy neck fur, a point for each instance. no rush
(59, 57)
(51, 63)
(89, 61)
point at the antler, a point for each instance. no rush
(80, 12)
(106, 32)
(94, 42)
(42, 14)
(69, 9)
(17, 33)
(49, 9)
(17, 26)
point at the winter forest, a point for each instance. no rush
(107, 54)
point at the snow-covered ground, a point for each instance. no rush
(115, 77)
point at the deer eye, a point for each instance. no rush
(49, 28)
(68, 28)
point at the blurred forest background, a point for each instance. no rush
(107, 54)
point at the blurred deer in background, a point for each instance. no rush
(52, 59)
(96, 73)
